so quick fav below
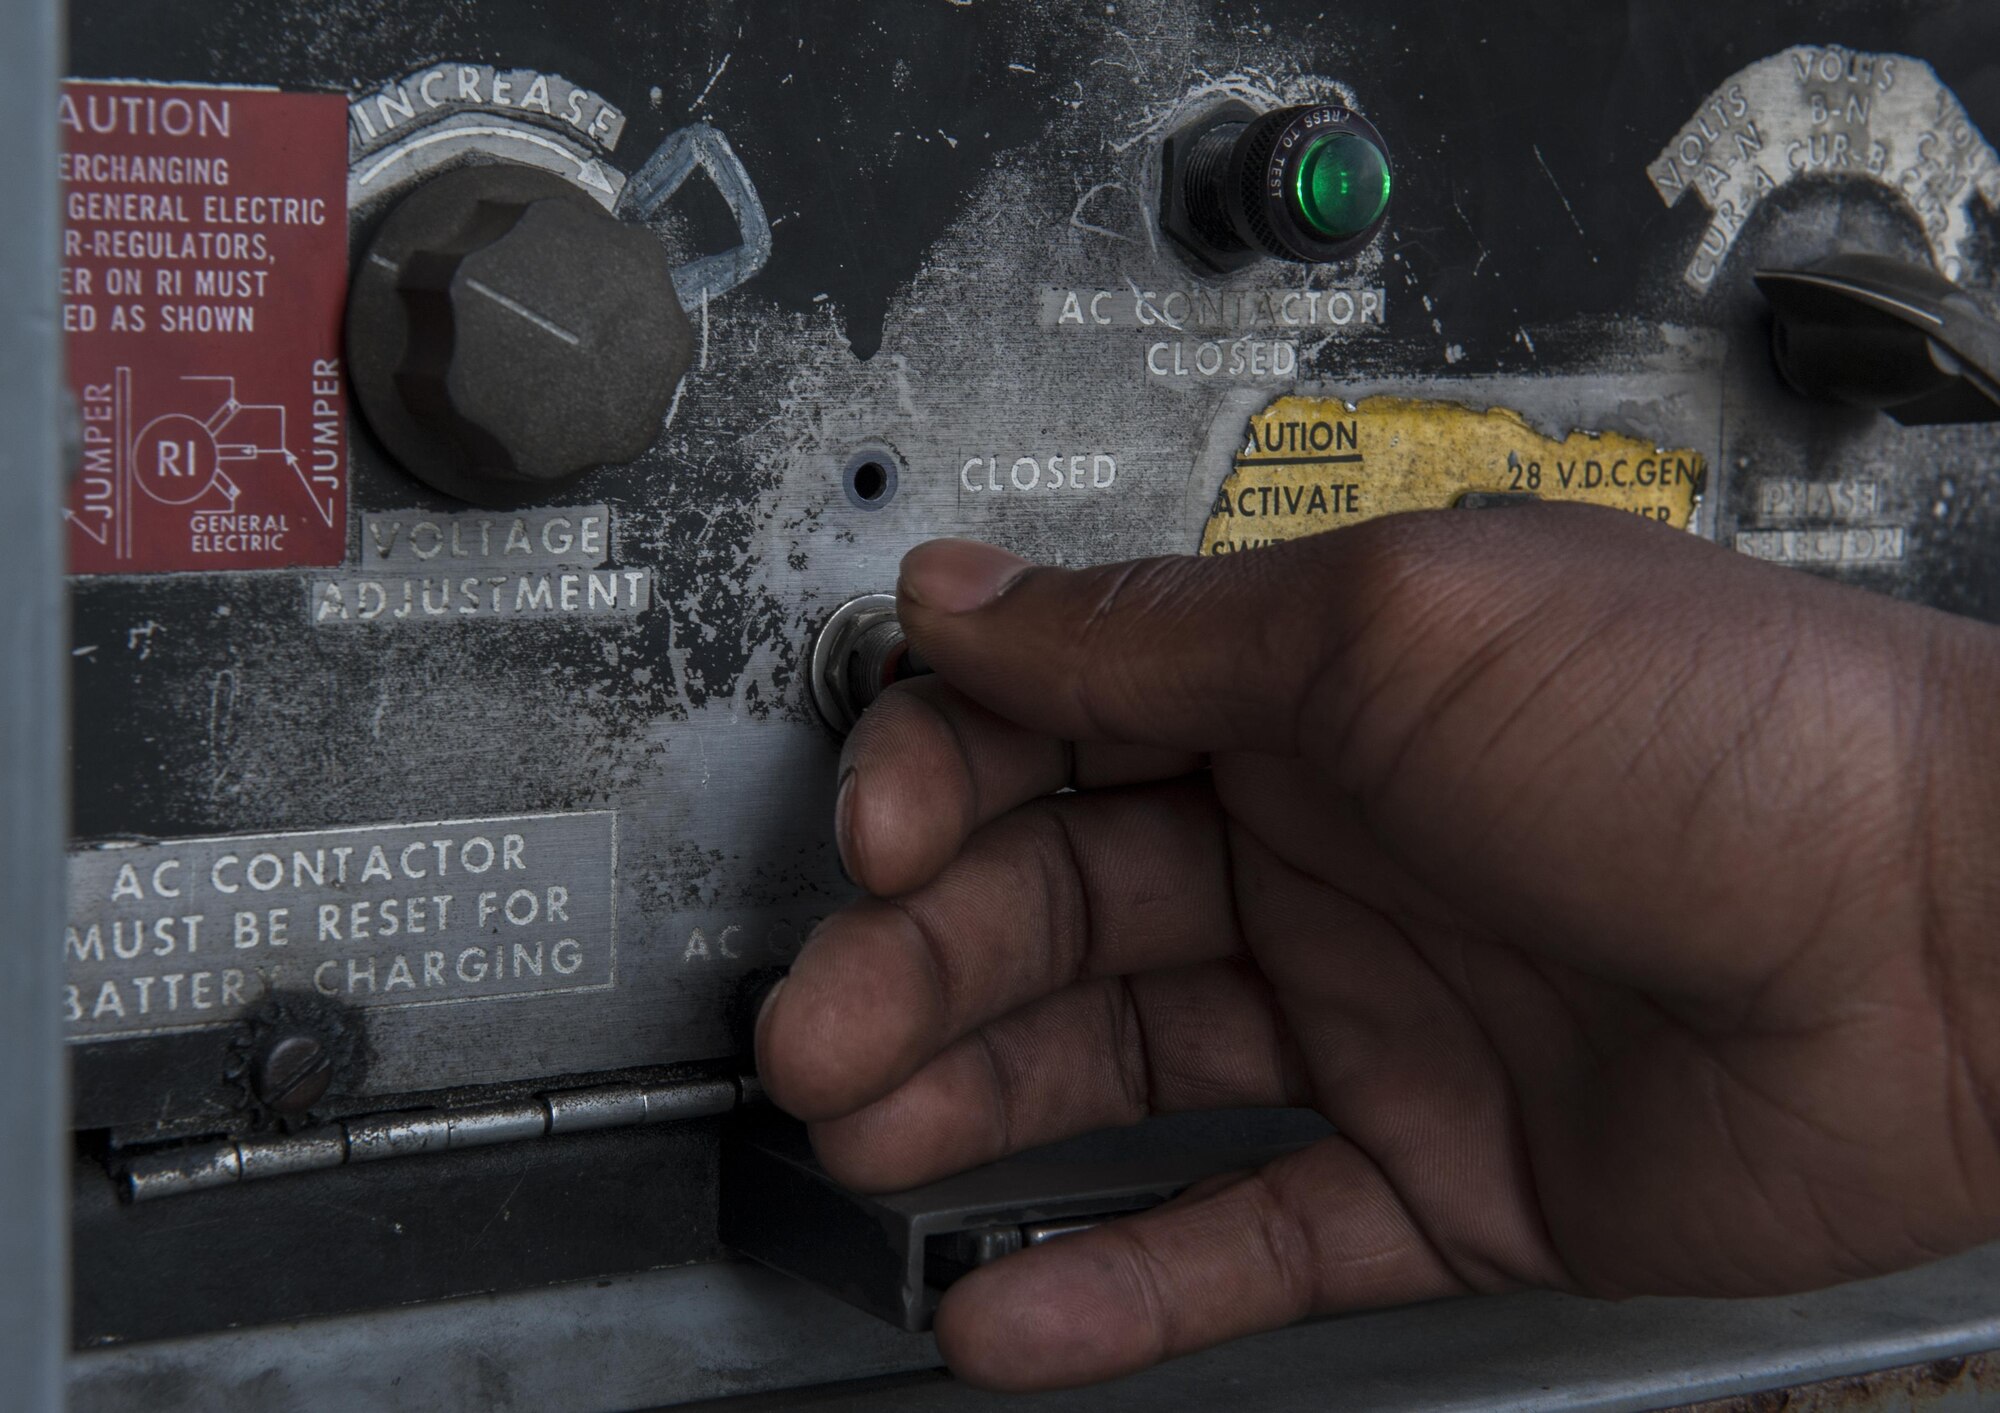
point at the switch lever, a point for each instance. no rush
(1873, 332)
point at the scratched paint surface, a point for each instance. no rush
(942, 181)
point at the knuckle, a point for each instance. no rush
(1284, 1245)
(1130, 1059)
(1146, 1274)
(922, 937)
(1065, 899)
(1005, 1090)
(1117, 595)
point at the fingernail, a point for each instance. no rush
(957, 576)
(843, 826)
(764, 1010)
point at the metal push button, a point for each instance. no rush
(859, 655)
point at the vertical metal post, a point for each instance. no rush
(34, 1219)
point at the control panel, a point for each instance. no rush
(498, 428)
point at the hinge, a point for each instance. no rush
(372, 1137)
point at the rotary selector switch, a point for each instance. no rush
(506, 334)
(1309, 184)
(1875, 332)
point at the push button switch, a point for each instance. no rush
(859, 654)
(1341, 186)
(1310, 184)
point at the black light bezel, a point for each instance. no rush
(1267, 159)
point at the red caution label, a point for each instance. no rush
(204, 275)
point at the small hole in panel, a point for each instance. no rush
(870, 478)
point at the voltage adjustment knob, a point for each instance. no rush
(1308, 184)
(506, 334)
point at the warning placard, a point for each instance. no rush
(196, 932)
(204, 274)
(1315, 464)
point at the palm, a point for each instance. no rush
(1761, 1161)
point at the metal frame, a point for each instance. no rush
(699, 1331)
(34, 1296)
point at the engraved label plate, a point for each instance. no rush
(194, 932)
(548, 537)
(391, 600)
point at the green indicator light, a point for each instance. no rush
(1342, 186)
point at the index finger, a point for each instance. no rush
(926, 767)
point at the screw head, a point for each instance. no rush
(292, 1073)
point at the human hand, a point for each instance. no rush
(1624, 903)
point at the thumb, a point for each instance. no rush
(1227, 653)
(1199, 655)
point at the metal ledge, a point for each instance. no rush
(709, 1331)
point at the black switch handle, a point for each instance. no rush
(1885, 334)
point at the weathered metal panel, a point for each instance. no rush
(919, 237)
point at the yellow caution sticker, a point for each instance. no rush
(1314, 464)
